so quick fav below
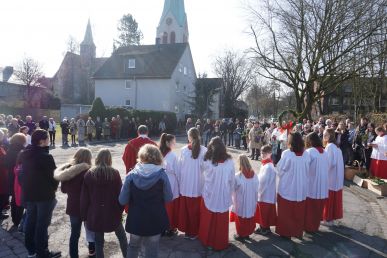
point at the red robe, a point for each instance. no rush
(131, 151)
(4, 190)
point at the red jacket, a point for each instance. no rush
(4, 182)
(131, 151)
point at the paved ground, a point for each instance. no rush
(362, 232)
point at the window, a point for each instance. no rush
(347, 101)
(185, 70)
(165, 38)
(132, 63)
(180, 68)
(127, 102)
(347, 88)
(335, 101)
(173, 37)
(128, 84)
(176, 109)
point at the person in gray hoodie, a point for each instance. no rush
(145, 191)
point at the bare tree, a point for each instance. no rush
(237, 76)
(72, 45)
(29, 72)
(310, 45)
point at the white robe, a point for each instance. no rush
(218, 185)
(336, 167)
(190, 172)
(379, 151)
(267, 184)
(318, 174)
(292, 173)
(171, 166)
(245, 196)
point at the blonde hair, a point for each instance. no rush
(244, 163)
(18, 139)
(103, 165)
(83, 155)
(150, 154)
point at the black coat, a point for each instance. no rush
(38, 168)
(10, 162)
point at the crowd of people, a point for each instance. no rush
(197, 191)
(79, 130)
(354, 140)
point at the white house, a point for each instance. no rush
(157, 77)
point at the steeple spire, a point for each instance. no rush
(173, 26)
(88, 39)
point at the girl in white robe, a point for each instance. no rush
(292, 172)
(245, 197)
(317, 193)
(190, 178)
(167, 144)
(219, 178)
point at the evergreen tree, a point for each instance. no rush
(128, 32)
(204, 95)
(98, 109)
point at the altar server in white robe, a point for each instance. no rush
(378, 155)
(333, 209)
(292, 172)
(190, 178)
(317, 182)
(266, 213)
(219, 178)
(245, 197)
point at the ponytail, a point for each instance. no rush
(164, 139)
(194, 137)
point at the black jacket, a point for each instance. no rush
(10, 162)
(38, 168)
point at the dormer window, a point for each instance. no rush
(132, 63)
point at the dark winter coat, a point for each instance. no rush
(44, 125)
(145, 191)
(99, 202)
(72, 177)
(38, 166)
(10, 162)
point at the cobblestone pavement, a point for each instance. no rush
(362, 232)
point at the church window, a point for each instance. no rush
(173, 37)
(127, 102)
(185, 70)
(165, 38)
(128, 84)
(132, 63)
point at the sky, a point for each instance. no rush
(40, 28)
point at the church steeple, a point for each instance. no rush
(173, 26)
(87, 46)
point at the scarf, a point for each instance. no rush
(267, 161)
(320, 149)
(248, 173)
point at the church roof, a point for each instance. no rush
(176, 7)
(152, 61)
(88, 39)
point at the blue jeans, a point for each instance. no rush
(121, 235)
(150, 244)
(38, 219)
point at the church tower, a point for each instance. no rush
(88, 47)
(173, 26)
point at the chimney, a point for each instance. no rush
(7, 73)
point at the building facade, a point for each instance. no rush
(73, 82)
(158, 77)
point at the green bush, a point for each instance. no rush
(157, 116)
(98, 109)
